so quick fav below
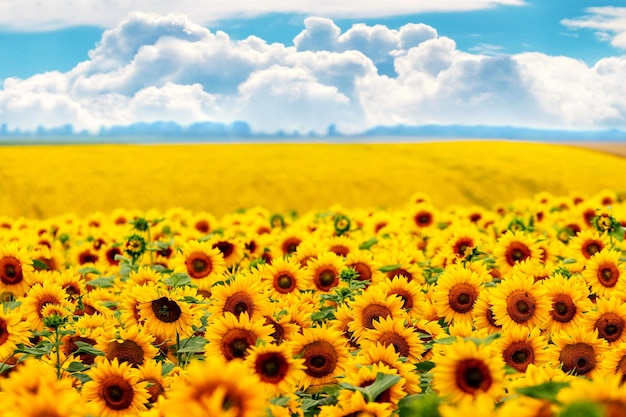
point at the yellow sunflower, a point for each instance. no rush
(325, 271)
(215, 388)
(403, 337)
(483, 313)
(41, 295)
(521, 347)
(608, 318)
(462, 243)
(518, 300)
(363, 264)
(276, 367)
(583, 246)
(409, 291)
(285, 276)
(203, 263)
(115, 389)
(608, 393)
(372, 305)
(231, 248)
(513, 248)
(605, 273)
(16, 271)
(231, 336)
(614, 361)
(130, 344)
(365, 376)
(570, 301)
(524, 406)
(356, 406)
(464, 370)
(13, 331)
(243, 294)
(340, 245)
(577, 350)
(151, 371)
(456, 293)
(325, 354)
(166, 315)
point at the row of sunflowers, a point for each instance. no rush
(512, 311)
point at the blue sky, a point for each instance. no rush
(543, 64)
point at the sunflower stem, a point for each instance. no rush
(178, 354)
(57, 346)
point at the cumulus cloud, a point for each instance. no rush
(152, 67)
(608, 22)
(45, 15)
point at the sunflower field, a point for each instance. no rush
(422, 308)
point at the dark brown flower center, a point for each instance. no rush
(272, 367)
(155, 389)
(608, 274)
(235, 343)
(117, 393)
(472, 375)
(320, 359)
(279, 333)
(563, 308)
(374, 312)
(10, 270)
(126, 351)
(290, 245)
(4, 331)
(284, 283)
(591, 247)
(579, 358)
(399, 343)
(198, 265)
(364, 271)
(520, 306)
(400, 272)
(110, 255)
(70, 346)
(239, 302)
(86, 257)
(518, 355)
(202, 226)
(462, 246)
(610, 326)
(407, 298)
(462, 297)
(423, 219)
(516, 252)
(225, 247)
(326, 279)
(166, 310)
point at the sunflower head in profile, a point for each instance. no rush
(231, 337)
(325, 353)
(521, 347)
(569, 300)
(201, 261)
(578, 351)
(456, 293)
(276, 367)
(215, 388)
(606, 274)
(519, 300)
(513, 248)
(15, 270)
(465, 370)
(608, 318)
(115, 389)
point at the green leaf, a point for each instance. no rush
(485, 340)
(280, 401)
(326, 313)
(89, 270)
(102, 282)
(546, 391)
(180, 279)
(568, 261)
(76, 367)
(166, 368)
(37, 264)
(368, 244)
(192, 345)
(87, 348)
(109, 304)
(423, 405)
(618, 234)
(424, 366)
(372, 391)
(83, 378)
(389, 268)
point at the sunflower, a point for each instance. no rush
(521, 346)
(243, 294)
(608, 393)
(577, 350)
(166, 315)
(409, 291)
(325, 271)
(364, 265)
(72, 282)
(403, 337)
(285, 276)
(609, 319)
(130, 303)
(523, 406)
(151, 371)
(422, 216)
(232, 336)
(39, 296)
(483, 313)
(583, 246)
(15, 270)
(513, 248)
(464, 370)
(340, 245)
(603, 271)
(115, 389)
(570, 300)
(215, 388)
(143, 276)
(356, 406)
(283, 322)
(456, 293)
(13, 331)
(463, 242)
(131, 345)
(397, 263)
(325, 354)
(203, 263)
(231, 248)
(518, 300)
(276, 367)
(365, 376)
(614, 361)
(372, 305)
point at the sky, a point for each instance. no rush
(305, 65)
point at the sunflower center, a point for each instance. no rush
(423, 218)
(520, 306)
(320, 359)
(364, 271)
(116, 393)
(399, 343)
(166, 310)
(70, 346)
(126, 351)
(491, 319)
(462, 246)
(518, 355)
(472, 375)
(279, 333)
(45, 300)
(271, 367)
(235, 343)
(407, 299)
(285, 283)
(290, 245)
(608, 275)
(461, 297)
(326, 280)
(516, 252)
(10, 270)
(198, 265)
(591, 248)
(563, 308)
(4, 331)
(579, 358)
(226, 248)
(155, 389)
(610, 326)
(86, 257)
(374, 312)
(240, 302)
(400, 272)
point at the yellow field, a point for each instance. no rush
(47, 181)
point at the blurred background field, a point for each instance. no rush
(46, 181)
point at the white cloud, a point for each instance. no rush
(51, 14)
(165, 67)
(609, 23)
